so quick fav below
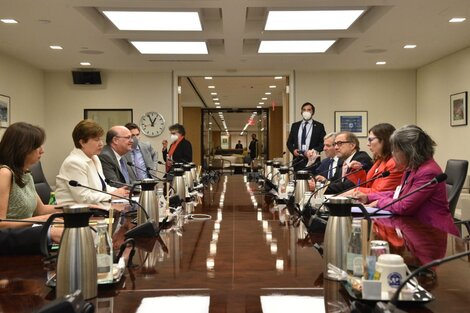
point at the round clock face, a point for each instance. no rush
(152, 124)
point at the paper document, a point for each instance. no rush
(370, 210)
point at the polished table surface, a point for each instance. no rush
(243, 256)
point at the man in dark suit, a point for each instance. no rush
(330, 167)
(305, 135)
(356, 163)
(181, 150)
(25, 240)
(253, 147)
(115, 167)
(143, 156)
(239, 145)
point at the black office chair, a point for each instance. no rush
(42, 187)
(456, 171)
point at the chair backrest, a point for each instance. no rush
(42, 187)
(456, 171)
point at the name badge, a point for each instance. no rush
(397, 192)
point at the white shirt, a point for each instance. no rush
(309, 134)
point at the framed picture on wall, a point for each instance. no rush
(351, 121)
(109, 117)
(4, 111)
(458, 109)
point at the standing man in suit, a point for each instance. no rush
(115, 167)
(356, 163)
(181, 150)
(143, 156)
(305, 135)
(253, 147)
(239, 145)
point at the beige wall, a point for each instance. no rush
(24, 84)
(388, 96)
(436, 82)
(65, 102)
(276, 146)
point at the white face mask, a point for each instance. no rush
(306, 115)
(173, 138)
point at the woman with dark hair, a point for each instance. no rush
(20, 148)
(181, 150)
(378, 142)
(413, 149)
(84, 166)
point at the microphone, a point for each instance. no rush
(381, 307)
(75, 183)
(109, 181)
(380, 175)
(439, 178)
(146, 170)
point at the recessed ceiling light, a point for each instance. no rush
(267, 93)
(215, 99)
(277, 77)
(457, 20)
(56, 47)
(260, 102)
(380, 62)
(214, 93)
(85, 63)
(211, 87)
(217, 106)
(264, 98)
(9, 21)
(295, 46)
(171, 47)
(311, 20)
(258, 106)
(208, 77)
(272, 86)
(409, 46)
(217, 103)
(156, 21)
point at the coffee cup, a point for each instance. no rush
(392, 271)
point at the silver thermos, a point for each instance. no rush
(194, 173)
(148, 200)
(178, 183)
(188, 176)
(338, 230)
(301, 185)
(76, 262)
(275, 175)
(268, 168)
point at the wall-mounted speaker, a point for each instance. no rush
(86, 77)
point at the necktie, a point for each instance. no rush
(330, 168)
(303, 139)
(124, 171)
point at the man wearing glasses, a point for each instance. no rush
(142, 157)
(115, 167)
(356, 163)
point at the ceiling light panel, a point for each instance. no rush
(9, 21)
(170, 47)
(155, 21)
(295, 46)
(312, 20)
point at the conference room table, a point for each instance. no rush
(236, 253)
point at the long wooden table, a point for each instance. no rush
(244, 259)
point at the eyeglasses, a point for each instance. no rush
(370, 139)
(124, 137)
(340, 143)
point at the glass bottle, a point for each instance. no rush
(104, 254)
(161, 204)
(354, 256)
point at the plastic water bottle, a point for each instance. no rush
(354, 256)
(104, 254)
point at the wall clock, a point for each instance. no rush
(152, 124)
